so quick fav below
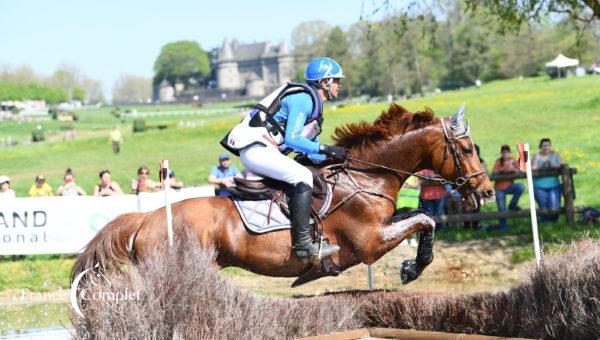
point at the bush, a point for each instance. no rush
(183, 296)
(139, 125)
(53, 113)
(37, 135)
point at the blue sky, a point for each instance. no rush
(108, 38)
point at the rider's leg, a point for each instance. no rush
(269, 162)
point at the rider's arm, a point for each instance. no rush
(317, 157)
(299, 108)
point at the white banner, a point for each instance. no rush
(63, 225)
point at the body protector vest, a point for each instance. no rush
(259, 125)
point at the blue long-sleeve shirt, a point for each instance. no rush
(296, 109)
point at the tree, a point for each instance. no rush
(78, 94)
(309, 39)
(93, 90)
(23, 74)
(67, 77)
(131, 89)
(181, 60)
(338, 48)
(513, 13)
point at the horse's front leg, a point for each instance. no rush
(391, 235)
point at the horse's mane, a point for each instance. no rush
(395, 121)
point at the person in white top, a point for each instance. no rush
(5, 191)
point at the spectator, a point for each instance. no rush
(547, 189)
(475, 210)
(408, 200)
(40, 188)
(223, 174)
(408, 197)
(116, 139)
(452, 202)
(69, 188)
(143, 183)
(432, 197)
(5, 191)
(173, 182)
(107, 187)
(507, 165)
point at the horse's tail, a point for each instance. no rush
(110, 246)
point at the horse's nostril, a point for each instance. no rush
(490, 193)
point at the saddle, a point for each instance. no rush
(255, 190)
(278, 191)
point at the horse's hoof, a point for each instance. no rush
(409, 271)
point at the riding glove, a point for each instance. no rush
(336, 152)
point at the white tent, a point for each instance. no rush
(560, 66)
(562, 61)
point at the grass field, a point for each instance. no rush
(502, 112)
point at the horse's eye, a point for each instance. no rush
(467, 151)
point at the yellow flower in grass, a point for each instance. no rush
(595, 165)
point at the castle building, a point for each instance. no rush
(238, 71)
(253, 69)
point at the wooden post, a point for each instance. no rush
(371, 279)
(567, 182)
(164, 178)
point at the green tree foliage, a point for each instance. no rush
(181, 60)
(32, 91)
(512, 14)
(410, 54)
(309, 39)
(78, 94)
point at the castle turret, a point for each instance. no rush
(228, 77)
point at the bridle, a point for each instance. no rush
(450, 139)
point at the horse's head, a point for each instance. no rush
(455, 158)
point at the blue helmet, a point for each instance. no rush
(322, 68)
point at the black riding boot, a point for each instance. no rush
(304, 247)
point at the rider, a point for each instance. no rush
(297, 124)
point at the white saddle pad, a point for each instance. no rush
(255, 214)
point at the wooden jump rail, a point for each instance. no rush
(405, 334)
(568, 191)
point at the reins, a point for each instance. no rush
(450, 138)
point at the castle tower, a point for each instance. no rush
(228, 77)
(285, 65)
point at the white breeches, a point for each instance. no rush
(267, 161)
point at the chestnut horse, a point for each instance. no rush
(383, 155)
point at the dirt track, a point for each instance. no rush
(479, 265)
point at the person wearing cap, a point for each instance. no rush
(173, 182)
(222, 175)
(40, 188)
(5, 190)
(507, 165)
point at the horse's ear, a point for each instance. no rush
(456, 121)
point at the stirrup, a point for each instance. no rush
(322, 252)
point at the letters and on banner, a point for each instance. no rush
(64, 225)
